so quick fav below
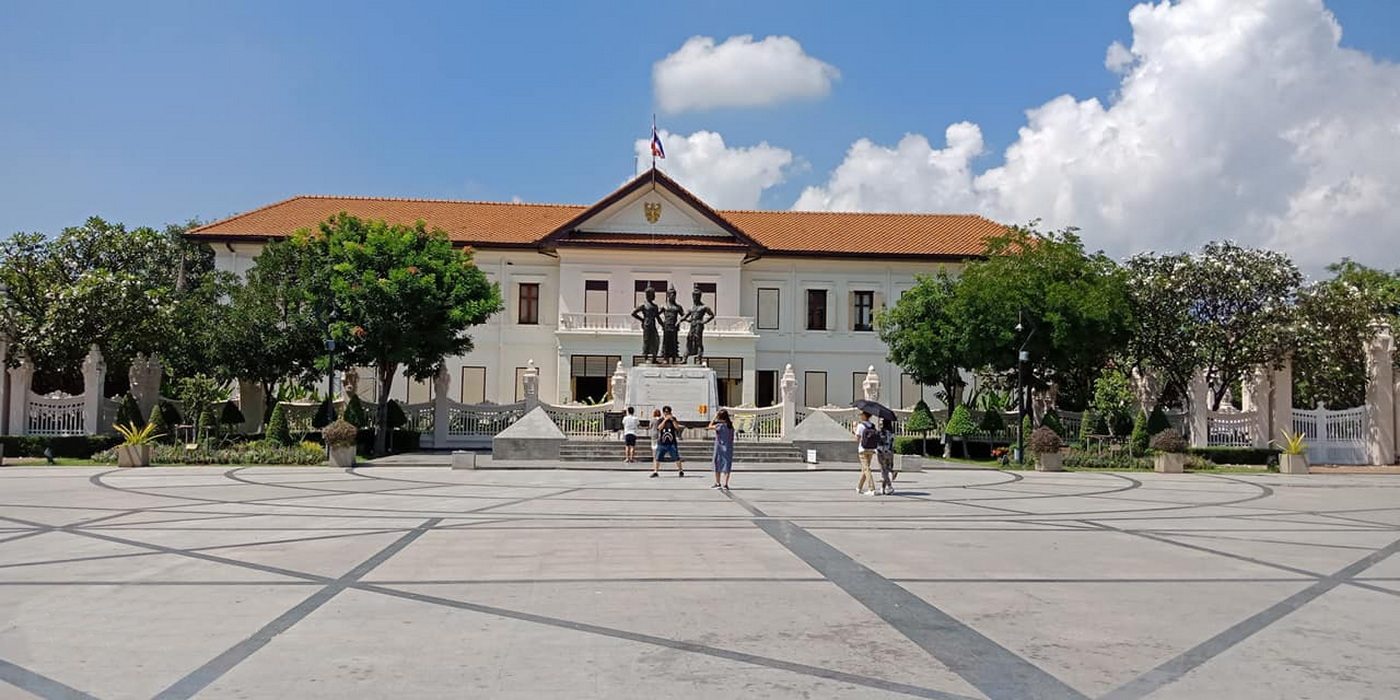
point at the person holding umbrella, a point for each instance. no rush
(872, 442)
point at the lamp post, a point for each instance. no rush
(1023, 358)
(331, 317)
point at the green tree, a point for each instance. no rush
(355, 413)
(1335, 319)
(1113, 400)
(959, 426)
(921, 421)
(1157, 422)
(403, 296)
(160, 418)
(198, 396)
(278, 426)
(1053, 422)
(1075, 301)
(1137, 441)
(923, 335)
(1163, 327)
(129, 413)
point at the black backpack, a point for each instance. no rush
(870, 437)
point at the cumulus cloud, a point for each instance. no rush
(740, 72)
(1240, 119)
(721, 176)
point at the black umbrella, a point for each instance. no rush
(876, 409)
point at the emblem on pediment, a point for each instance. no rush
(653, 211)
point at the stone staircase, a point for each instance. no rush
(698, 451)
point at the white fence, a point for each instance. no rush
(572, 322)
(757, 424)
(56, 414)
(1231, 429)
(481, 420)
(1333, 437)
(580, 422)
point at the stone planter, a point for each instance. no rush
(1169, 463)
(133, 455)
(1049, 462)
(1293, 464)
(343, 457)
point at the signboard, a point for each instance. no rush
(691, 392)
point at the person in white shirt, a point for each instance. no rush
(630, 423)
(867, 440)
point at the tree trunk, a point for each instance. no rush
(269, 402)
(381, 410)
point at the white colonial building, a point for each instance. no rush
(797, 288)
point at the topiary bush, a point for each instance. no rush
(1045, 441)
(129, 413)
(279, 429)
(161, 414)
(1157, 422)
(991, 422)
(921, 421)
(1139, 439)
(1052, 421)
(231, 415)
(1169, 441)
(916, 445)
(325, 414)
(959, 425)
(396, 417)
(355, 413)
(1086, 426)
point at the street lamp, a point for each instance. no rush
(330, 367)
(1023, 358)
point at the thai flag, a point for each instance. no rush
(656, 150)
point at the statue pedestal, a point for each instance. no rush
(691, 392)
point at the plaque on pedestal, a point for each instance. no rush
(691, 392)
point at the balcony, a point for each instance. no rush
(624, 324)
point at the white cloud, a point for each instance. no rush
(723, 177)
(740, 72)
(1237, 119)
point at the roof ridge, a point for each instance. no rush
(856, 213)
(372, 198)
(250, 212)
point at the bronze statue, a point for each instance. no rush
(647, 312)
(698, 316)
(671, 316)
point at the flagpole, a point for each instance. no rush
(653, 151)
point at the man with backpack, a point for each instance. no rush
(867, 441)
(668, 436)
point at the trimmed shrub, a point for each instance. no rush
(912, 445)
(66, 447)
(339, 434)
(1086, 426)
(160, 417)
(1157, 422)
(261, 452)
(355, 413)
(991, 422)
(1139, 440)
(1052, 421)
(279, 430)
(1027, 429)
(1093, 460)
(129, 413)
(1237, 455)
(1169, 441)
(959, 425)
(325, 414)
(396, 417)
(230, 414)
(1044, 440)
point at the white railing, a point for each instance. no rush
(579, 422)
(483, 419)
(1333, 437)
(107, 414)
(757, 424)
(420, 417)
(300, 414)
(625, 324)
(56, 414)
(1072, 421)
(1230, 429)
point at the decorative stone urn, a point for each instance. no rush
(133, 455)
(1049, 462)
(1169, 463)
(1293, 464)
(343, 457)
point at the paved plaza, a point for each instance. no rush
(308, 582)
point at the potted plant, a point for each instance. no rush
(1170, 449)
(1045, 445)
(135, 450)
(1294, 457)
(340, 441)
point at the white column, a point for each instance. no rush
(442, 384)
(1380, 398)
(871, 385)
(531, 382)
(21, 376)
(1256, 399)
(1282, 413)
(619, 389)
(787, 387)
(94, 375)
(144, 377)
(1198, 409)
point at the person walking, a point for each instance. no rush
(651, 430)
(867, 440)
(885, 453)
(668, 436)
(724, 448)
(629, 435)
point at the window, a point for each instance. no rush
(857, 386)
(708, 293)
(768, 298)
(816, 310)
(729, 379)
(595, 296)
(910, 391)
(640, 295)
(814, 389)
(590, 376)
(863, 311)
(473, 385)
(520, 383)
(529, 304)
(766, 393)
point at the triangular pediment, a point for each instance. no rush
(649, 206)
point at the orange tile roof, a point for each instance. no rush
(643, 239)
(488, 224)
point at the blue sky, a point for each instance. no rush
(148, 112)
